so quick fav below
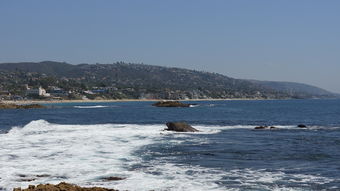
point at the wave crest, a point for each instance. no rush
(90, 106)
(82, 154)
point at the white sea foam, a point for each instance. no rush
(254, 177)
(89, 106)
(264, 179)
(83, 154)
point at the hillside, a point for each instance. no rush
(296, 89)
(126, 80)
(46, 67)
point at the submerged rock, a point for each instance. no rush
(8, 106)
(27, 179)
(180, 127)
(14, 106)
(43, 175)
(265, 127)
(113, 178)
(61, 187)
(30, 178)
(31, 106)
(302, 126)
(171, 104)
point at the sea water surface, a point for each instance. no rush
(84, 143)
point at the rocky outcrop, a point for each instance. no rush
(8, 106)
(302, 126)
(171, 104)
(261, 127)
(180, 127)
(31, 106)
(265, 127)
(14, 106)
(61, 187)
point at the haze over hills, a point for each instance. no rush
(135, 81)
(294, 88)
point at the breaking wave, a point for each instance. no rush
(43, 152)
(90, 106)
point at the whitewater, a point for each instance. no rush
(43, 152)
(85, 154)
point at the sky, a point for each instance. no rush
(283, 40)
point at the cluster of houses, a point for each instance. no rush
(30, 92)
(52, 92)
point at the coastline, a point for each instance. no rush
(24, 102)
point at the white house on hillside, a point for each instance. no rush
(39, 92)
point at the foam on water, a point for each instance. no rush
(265, 179)
(42, 152)
(90, 106)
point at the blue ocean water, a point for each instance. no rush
(83, 142)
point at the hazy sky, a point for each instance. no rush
(287, 40)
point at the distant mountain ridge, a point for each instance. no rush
(46, 67)
(148, 81)
(294, 88)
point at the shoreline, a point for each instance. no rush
(23, 102)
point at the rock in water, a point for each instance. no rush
(171, 104)
(180, 127)
(14, 106)
(302, 126)
(261, 127)
(8, 106)
(265, 127)
(31, 106)
(61, 187)
(113, 178)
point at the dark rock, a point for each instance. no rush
(61, 187)
(43, 175)
(31, 106)
(302, 126)
(113, 178)
(265, 127)
(171, 104)
(261, 127)
(7, 106)
(180, 127)
(14, 106)
(27, 179)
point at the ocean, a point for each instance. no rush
(84, 143)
